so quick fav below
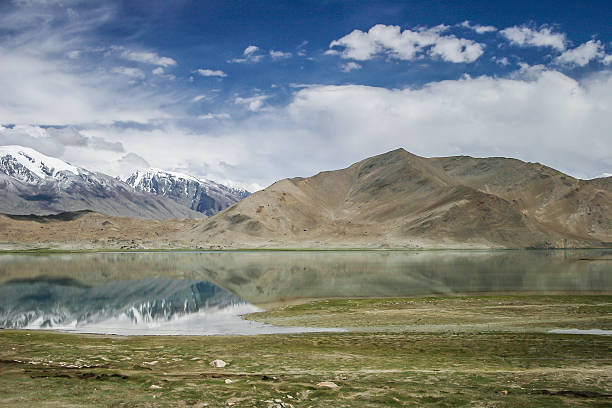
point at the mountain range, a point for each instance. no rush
(396, 199)
(400, 199)
(203, 196)
(33, 183)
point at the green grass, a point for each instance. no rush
(510, 313)
(379, 369)
(381, 364)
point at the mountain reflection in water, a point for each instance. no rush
(205, 292)
(146, 306)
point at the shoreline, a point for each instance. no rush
(47, 250)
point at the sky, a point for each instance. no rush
(250, 92)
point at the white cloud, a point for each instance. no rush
(215, 116)
(480, 29)
(254, 103)
(148, 57)
(249, 55)
(406, 45)
(524, 36)
(211, 73)
(301, 51)
(549, 118)
(350, 66)
(501, 61)
(41, 84)
(452, 49)
(67, 136)
(34, 137)
(607, 60)
(130, 72)
(538, 115)
(583, 54)
(250, 50)
(276, 55)
(159, 71)
(41, 90)
(128, 164)
(57, 141)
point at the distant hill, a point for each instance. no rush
(400, 199)
(204, 196)
(33, 183)
(396, 199)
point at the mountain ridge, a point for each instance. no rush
(205, 196)
(393, 200)
(33, 183)
(398, 198)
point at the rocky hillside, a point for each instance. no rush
(204, 196)
(392, 200)
(400, 199)
(33, 183)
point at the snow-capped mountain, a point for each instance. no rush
(33, 183)
(204, 196)
(32, 167)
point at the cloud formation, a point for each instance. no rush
(106, 102)
(534, 115)
(276, 55)
(254, 103)
(41, 84)
(148, 57)
(215, 116)
(55, 140)
(524, 36)
(212, 73)
(406, 45)
(350, 66)
(583, 54)
(250, 54)
(480, 29)
(130, 72)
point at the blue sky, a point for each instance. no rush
(248, 92)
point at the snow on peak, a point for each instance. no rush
(174, 174)
(154, 172)
(37, 163)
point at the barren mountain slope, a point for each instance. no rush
(394, 199)
(578, 209)
(89, 230)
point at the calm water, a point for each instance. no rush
(206, 292)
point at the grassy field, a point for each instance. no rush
(416, 352)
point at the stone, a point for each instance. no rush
(328, 384)
(218, 363)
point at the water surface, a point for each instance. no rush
(206, 292)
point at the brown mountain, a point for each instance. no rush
(396, 199)
(400, 199)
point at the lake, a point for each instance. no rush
(204, 293)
